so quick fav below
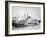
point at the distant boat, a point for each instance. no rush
(27, 21)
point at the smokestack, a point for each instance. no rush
(25, 16)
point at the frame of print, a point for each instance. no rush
(24, 18)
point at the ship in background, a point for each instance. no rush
(28, 21)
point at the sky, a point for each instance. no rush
(19, 11)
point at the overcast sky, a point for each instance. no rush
(18, 11)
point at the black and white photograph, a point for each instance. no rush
(25, 18)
